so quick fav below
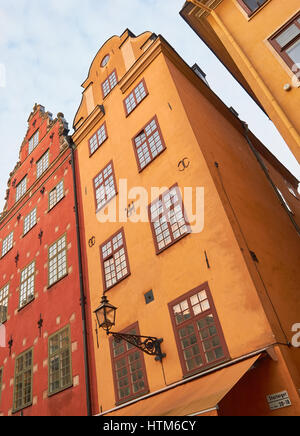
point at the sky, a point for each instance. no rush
(46, 49)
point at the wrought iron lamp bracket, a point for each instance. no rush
(147, 344)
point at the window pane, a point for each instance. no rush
(115, 265)
(56, 194)
(109, 84)
(288, 35)
(23, 380)
(21, 189)
(137, 95)
(57, 261)
(148, 144)
(29, 221)
(254, 4)
(42, 164)
(105, 188)
(60, 375)
(33, 142)
(199, 339)
(7, 243)
(3, 303)
(294, 52)
(97, 140)
(27, 285)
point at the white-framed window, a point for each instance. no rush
(57, 260)
(27, 285)
(148, 144)
(98, 138)
(7, 244)
(30, 221)
(114, 259)
(109, 83)
(21, 189)
(4, 293)
(168, 220)
(42, 164)
(135, 98)
(56, 194)
(33, 142)
(105, 186)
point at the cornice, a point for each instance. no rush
(202, 8)
(88, 124)
(140, 65)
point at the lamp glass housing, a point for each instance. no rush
(106, 314)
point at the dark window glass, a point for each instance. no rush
(128, 368)
(252, 5)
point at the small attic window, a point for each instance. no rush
(105, 61)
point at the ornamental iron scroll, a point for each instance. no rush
(148, 344)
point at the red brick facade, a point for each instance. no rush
(33, 300)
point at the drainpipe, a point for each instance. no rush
(82, 294)
(252, 70)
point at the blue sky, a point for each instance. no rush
(46, 49)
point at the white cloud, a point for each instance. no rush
(47, 48)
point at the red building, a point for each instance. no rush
(43, 352)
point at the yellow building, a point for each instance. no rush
(259, 43)
(215, 277)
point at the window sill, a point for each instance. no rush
(257, 11)
(158, 252)
(25, 234)
(123, 278)
(98, 148)
(52, 394)
(132, 397)
(53, 207)
(128, 114)
(105, 204)
(14, 411)
(6, 253)
(25, 305)
(142, 169)
(59, 280)
(213, 367)
(107, 95)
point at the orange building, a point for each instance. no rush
(259, 43)
(215, 276)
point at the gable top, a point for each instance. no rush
(40, 123)
(118, 54)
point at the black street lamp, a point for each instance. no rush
(106, 315)
(106, 318)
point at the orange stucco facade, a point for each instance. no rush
(241, 41)
(207, 147)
